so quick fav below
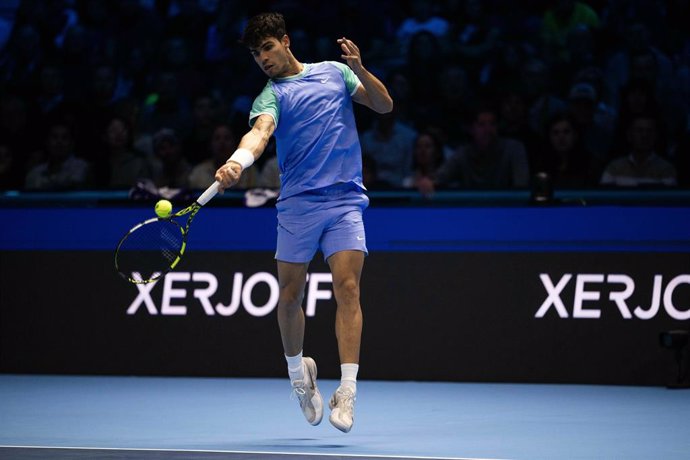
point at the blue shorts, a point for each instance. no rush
(328, 218)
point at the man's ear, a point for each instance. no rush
(285, 41)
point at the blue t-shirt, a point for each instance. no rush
(316, 136)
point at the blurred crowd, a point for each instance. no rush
(110, 94)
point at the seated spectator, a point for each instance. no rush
(166, 107)
(425, 62)
(642, 165)
(562, 19)
(121, 166)
(422, 19)
(637, 97)
(170, 168)
(632, 61)
(596, 128)
(564, 158)
(389, 143)
(515, 123)
(222, 145)
(487, 162)
(456, 100)
(428, 156)
(477, 39)
(62, 170)
(537, 86)
(205, 116)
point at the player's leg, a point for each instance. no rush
(292, 279)
(346, 267)
(302, 370)
(299, 231)
(344, 246)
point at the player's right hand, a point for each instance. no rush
(228, 175)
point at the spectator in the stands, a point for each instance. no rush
(636, 59)
(564, 158)
(62, 170)
(514, 123)
(537, 86)
(561, 20)
(456, 100)
(428, 156)
(221, 145)
(389, 143)
(49, 97)
(641, 165)
(94, 111)
(476, 38)
(170, 168)
(205, 116)
(596, 129)
(486, 162)
(120, 165)
(424, 65)
(422, 18)
(165, 107)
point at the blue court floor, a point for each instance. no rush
(138, 417)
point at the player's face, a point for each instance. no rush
(273, 57)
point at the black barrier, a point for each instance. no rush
(459, 316)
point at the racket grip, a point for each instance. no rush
(208, 194)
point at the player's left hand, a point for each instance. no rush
(351, 54)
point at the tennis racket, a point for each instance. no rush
(152, 248)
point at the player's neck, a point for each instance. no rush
(294, 67)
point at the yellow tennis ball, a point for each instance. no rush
(163, 208)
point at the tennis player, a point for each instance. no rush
(309, 110)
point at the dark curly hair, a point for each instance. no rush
(263, 26)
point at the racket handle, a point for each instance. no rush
(208, 194)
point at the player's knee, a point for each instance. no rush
(347, 290)
(290, 300)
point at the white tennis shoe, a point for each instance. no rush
(308, 393)
(342, 405)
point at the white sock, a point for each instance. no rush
(295, 368)
(348, 377)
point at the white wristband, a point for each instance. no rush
(244, 157)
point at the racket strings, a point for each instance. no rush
(149, 249)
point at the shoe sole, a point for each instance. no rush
(335, 423)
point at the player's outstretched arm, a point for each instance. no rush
(372, 93)
(251, 146)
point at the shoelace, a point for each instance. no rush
(298, 391)
(345, 399)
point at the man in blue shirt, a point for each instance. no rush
(309, 110)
